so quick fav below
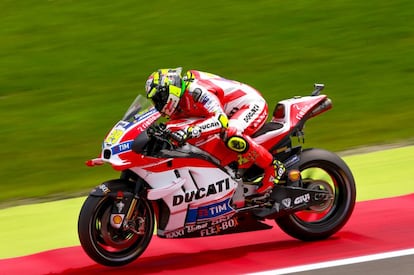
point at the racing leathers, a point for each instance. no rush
(233, 109)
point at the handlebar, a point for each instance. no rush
(160, 132)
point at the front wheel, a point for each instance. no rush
(108, 245)
(324, 170)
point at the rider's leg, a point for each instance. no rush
(251, 151)
(246, 121)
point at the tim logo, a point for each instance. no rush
(209, 211)
(126, 146)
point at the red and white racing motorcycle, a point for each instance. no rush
(203, 189)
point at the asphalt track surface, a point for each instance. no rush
(376, 227)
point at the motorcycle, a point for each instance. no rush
(201, 188)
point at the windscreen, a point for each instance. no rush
(139, 107)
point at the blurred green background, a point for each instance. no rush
(70, 68)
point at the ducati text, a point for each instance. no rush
(202, 192)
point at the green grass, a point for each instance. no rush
(32, 228)
(69, 69)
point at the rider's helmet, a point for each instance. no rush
(165, 88)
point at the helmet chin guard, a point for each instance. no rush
(174, 95)
(164, 88)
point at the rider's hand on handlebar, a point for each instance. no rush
(181, 136)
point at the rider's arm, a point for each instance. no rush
(216, 119)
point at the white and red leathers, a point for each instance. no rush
(229, 106)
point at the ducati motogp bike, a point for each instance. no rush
(201, 188)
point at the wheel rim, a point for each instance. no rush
(117, 244)
(322, 177)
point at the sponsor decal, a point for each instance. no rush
(196, 227)
(301, 110)
(252, 156)
(116, 220)
(151, 118)
(217, 227)
(212, 106)
(251, 113)
(104, 188)
(204, 229)
(114, 136)
(292, 161)
(175, 234)
(126, 146)
(210, 125)
(209, 211)
(287, 202)
(212, 189)
(302, 199)
(245, 158)
(122, 124)
(204, 99)
(242, 160)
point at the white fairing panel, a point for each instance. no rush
(187, 190)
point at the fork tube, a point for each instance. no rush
(131, 208)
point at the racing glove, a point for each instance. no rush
(181, 136)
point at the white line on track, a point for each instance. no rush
(355, 260)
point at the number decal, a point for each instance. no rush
(114, 136)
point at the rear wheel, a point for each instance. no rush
(322, 170)
(108, 245)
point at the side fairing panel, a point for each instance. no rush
(192, 194)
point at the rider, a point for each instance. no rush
(231, 108)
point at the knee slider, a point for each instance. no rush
(237, 144)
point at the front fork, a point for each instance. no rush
(130, 221)
(124, 215)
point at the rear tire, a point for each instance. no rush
(326, 170)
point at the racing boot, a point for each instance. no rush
(272, 175)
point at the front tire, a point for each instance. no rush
(110, 246)
(324, 170)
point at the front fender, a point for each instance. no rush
(112, 187)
